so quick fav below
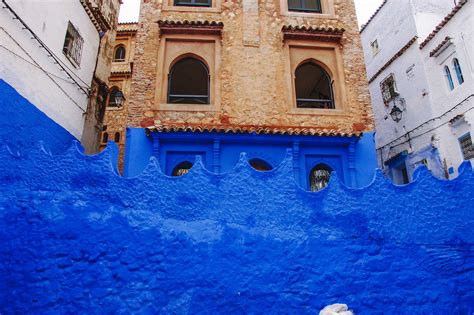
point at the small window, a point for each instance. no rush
(182, 169)
(449, 78)
(114, 97)
(119, 55)
(260, 165)
(73, 42)
(188, 82)
(466, 146)
(389, 89)
(375, 47)
(105, 137)
(305, 6)
(319, 177)
(117, 137)
(458, 69)
(193, 3)
(313, 87)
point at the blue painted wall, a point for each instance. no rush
(75, 237)
(352, 158)
(23, 125)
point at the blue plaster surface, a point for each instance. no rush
(77, 238)
(220, 152)
(23, 124)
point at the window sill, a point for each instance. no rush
(190, 9)
(188, 108)
(318, 111)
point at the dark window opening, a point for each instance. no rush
(305, 5)
(117, 137)
(105, 137)
(193, 3)
(313, 87)
(182, 169)
(73, 43)
(319, 177)
(113, 97)
(119, 54)
(188, 82)
(260, 165)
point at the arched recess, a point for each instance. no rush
(313, 86)
(189, 82)
(120, 53)
(260, 165)
(319, 177)
(182, 168)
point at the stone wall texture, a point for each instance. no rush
(76, 237)
(254, 81)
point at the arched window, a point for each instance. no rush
(117, 137)
(319, 177)
(458, 69)
(105, 137)
(188, 82)
(113, 97)
(447, 73)
(313, 87)
(260, 165)
(182, 168)
(119, 54)
(305, 5)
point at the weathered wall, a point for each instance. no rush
(75, 236)
(253, 71)
(23, 124)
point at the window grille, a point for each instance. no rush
(449, 78)
(313, 6)
(319, 177)
(182, 169)
(189, 82)
(73, 43)
(389, 89)
(466, 146)
(457, 68)
(313, 87)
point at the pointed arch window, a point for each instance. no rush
(319, 177)
(182, 168)
(313, 87)
(188, 82)
(449, 78)
(457, 68)
(260, 165)
(119, 54)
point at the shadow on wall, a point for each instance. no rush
(24, 125)
(74, 235)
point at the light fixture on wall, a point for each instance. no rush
(119, 98)
(397, 110)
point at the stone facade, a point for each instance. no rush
(253, 65)
(120, 78)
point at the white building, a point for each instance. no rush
(49, 52)
(422, 115)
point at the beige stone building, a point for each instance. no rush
(252, 50)
(119, 86)
(290, 73)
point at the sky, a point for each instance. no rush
(365, 9)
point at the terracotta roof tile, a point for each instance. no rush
(280, 130)
(443, 23)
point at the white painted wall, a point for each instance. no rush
(30, 71)
(419, 81)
